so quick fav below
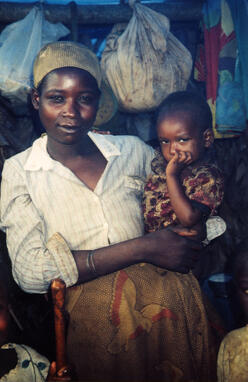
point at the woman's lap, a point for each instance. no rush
(141, 324)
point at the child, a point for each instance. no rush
(233, 354)
(185, 187)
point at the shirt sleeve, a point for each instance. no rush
(205, 186)
(34, 263)
(148, 155)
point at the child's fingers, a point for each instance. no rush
(185, 157)
(181, 156)
(176, 157)
(188, 157)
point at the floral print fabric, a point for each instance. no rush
(31, 366)
(203, 184)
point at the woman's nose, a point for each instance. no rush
(70, 108)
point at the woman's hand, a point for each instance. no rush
(197, 232)
(164, 248)
(173, 252)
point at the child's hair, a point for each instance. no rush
(192, 103)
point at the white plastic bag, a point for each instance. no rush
(146, 62)
(19, 44)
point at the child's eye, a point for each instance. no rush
(182, 140)
(164, 141)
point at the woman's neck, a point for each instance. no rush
(62, 152)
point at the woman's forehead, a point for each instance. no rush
(61, 76)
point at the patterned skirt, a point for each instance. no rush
(142, 324)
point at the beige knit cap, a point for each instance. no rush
(66, 53)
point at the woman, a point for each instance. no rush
(71, 208)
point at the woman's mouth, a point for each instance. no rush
(69, 129)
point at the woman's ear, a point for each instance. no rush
(35, 99)
(208, 137)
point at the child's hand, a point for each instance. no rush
(180, 160)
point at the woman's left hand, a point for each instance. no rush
(198, 232)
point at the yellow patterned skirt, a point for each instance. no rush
(141, 324)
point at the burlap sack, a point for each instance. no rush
(143, 62)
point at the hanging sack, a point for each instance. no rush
(146, 62)
(19, 44)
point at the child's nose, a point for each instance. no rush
(173, 148)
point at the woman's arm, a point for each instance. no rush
(33, 266)
(163, 248)
(36, 262)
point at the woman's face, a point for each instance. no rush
(67, 104)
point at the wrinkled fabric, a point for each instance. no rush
(141, 324)
(144, 62)
(32, 215)
(233, 357)
(216, 64)
(203, 184)
(239, 10)
(31, 366)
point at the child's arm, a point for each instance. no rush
(181, 204)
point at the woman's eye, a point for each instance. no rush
(85, 99)
(56, 98)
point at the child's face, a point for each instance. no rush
(176, 134)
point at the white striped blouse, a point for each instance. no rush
(46, 209)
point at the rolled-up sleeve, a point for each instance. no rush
(35, 263)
